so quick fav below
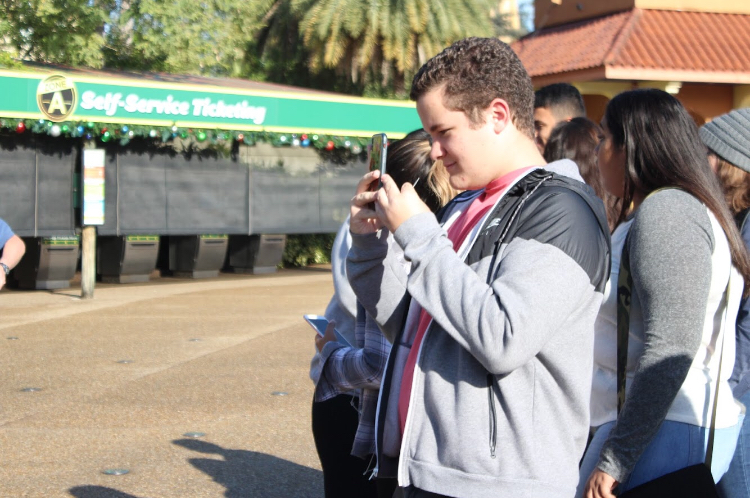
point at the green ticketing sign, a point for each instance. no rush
(66, 97)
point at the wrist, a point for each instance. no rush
(4, 268)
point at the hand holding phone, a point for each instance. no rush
(378, 154)
(320, 323)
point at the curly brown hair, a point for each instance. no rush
(475, 71)
(736, 185)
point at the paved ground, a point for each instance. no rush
(124, 377)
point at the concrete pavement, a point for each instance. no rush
(124, 377)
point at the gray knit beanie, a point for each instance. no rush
(728, 136)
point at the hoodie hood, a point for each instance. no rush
(565, 167)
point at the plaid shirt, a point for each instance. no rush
(357, 368)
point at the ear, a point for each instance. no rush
(499, 114)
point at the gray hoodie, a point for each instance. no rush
(500, 396)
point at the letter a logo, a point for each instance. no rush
(56, 97)
(57, 104)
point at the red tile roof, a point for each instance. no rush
(694, 42)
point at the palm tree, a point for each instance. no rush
(382, 42)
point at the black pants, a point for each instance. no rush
(334, 424)
(412, 492)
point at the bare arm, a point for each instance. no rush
(13, 251)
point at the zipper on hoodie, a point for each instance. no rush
(401, 469)
(493, 414)
(383, 393)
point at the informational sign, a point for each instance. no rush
(93, 186)
(56, 97)
(68, 97)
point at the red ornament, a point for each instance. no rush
(304, 136)
(240, 137)
(329, 145)
(104, 130)
(21, 127)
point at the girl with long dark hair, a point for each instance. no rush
(687, 262)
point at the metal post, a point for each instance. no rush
(88, 262)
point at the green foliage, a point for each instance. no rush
(277, 55)
(6, 61)
(503, 28)
(384, 43)
(307, 249)
(362, 47)
(185, 36)
(58, 31)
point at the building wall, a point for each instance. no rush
(721, 6)
(707, 101)
(703, 101)
(553, 12)
(595, 105)
(741, 96)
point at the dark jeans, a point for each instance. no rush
(334, 424)
(412, 492)
(736, 482)
(386, 486)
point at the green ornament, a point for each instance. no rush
(183, 134)
(106, 136)
(65, 128)
(89, 125)
(200, 136)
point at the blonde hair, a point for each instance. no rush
(439, 182)
(408, 160)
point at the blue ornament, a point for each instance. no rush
(125, 129)
(305, 142)
(80, 129)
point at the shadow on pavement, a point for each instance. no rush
(97, 492)
(251, 474)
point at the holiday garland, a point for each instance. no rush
(123, 133)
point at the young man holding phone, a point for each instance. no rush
(487, 387)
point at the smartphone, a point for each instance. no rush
(319, 323)
(378, 154)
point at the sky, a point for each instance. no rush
(526, 9)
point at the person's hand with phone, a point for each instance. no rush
(394, 206)
(364, 219)
(329, 336)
